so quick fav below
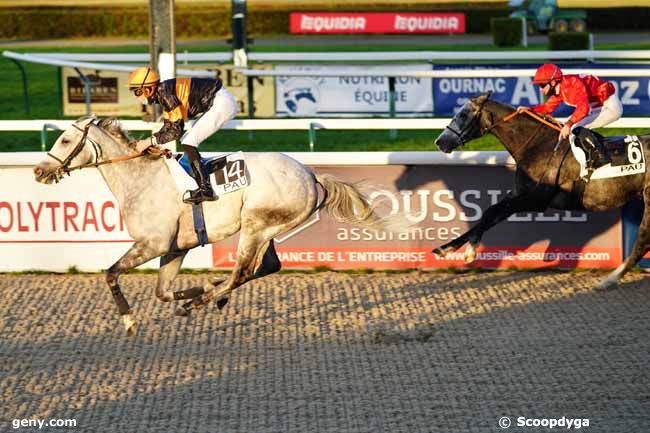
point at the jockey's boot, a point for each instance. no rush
(597, 154)
(204, 192)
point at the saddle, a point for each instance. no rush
(227, 172)
(605, 157)
(209, 165)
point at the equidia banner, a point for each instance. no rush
(377, 22)
(351, 96)
(449, 94)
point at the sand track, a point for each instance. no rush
(329, 352)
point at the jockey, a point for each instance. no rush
(183, 99)
(595, 102)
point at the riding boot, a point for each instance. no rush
(597, 154)
(204, 192)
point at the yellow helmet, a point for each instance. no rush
(143, 77)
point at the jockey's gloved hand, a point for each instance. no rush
(142, 145)
(565, 131)
(152, 151)
(521, 109)
(155, 152)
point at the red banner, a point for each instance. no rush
(536, 256)
(379, 22)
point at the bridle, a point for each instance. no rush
(64, 165)
(463, 134)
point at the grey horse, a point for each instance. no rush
(281, 195)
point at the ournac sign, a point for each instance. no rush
(378, 22)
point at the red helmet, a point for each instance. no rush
(547, 73)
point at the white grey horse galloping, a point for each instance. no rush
(281, 195)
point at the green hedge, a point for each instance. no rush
(568, 41)
(43, 23)
(214, 22)
(507, 32)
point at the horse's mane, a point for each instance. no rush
(115, 129)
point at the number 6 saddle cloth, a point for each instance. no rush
(628, 157)
(227, 173)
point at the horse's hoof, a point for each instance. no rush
(222, 303)
(607, 285)
(439, 252)
(470, 254)
(190, 293)
(182, 312)
(217, 281)
(130, 324)
(132, 330)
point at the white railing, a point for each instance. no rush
(446, 73)
(90, 60)
(311, 125)
(294, 124)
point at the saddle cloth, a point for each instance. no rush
(227, 172)
(627, 155)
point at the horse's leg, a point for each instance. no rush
(270, 263)
(170, 264)
(641, 246)
(492, 216)
(139, 253)
(247, 252)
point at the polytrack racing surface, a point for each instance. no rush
(330, 352)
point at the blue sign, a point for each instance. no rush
(449, 94)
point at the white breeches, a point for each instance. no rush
(224, 109)
(611, 111)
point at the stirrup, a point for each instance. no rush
(198, 196)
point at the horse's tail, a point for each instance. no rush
(347, 203)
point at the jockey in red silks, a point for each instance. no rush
(203, 100)
(595, 102)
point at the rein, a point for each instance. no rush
(532, 114)
(63, 168)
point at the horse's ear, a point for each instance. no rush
(482, 98)
(85, 120)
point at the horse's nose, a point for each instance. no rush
(38, 171)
